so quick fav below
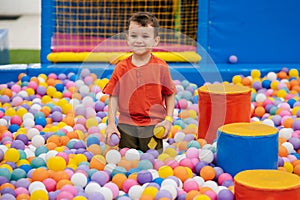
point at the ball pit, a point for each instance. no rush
(52, 141)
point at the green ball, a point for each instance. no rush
(18, 174)
(38, 162)
(40, 150)
(5, 172)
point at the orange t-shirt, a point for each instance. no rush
(141, 91)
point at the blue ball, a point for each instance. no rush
(266, 84)
(40, 121)
(92, 140)
(59, 87)
(291, 102)
(13, 128)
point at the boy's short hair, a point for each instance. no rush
(145, 19)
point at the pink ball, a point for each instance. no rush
(182, 104)
(33, 85)
(123, 151)
(211, 194)
(16, 88)
(114, 188)
(158, 164)
(223, 177)
(52, 75)
(128, 184)
(70, 84)
(192, 153)
(93, 129)
(21, 190)
(17, 100)
(69, 188)
(50, 184)
(190, 185)
(67, 94)
(172, 163)
(64, 195)
(233, 59)
(186, 162)
(16, 120)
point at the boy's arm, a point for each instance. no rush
(167, 123)
(111, 116)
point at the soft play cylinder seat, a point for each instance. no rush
(221, 104)
(245, 146)
(266, 184)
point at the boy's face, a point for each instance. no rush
(141, 39)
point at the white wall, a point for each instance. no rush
(20, 7)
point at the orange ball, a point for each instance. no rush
(288, 123)
(62, 183)
(181, 173)
(23, 197)
(119, 179)
(97, 163)
(282, 75)
(207, 173)
(282, 151)
(125, 163)
(259, 111)
(192, 194)
(297, 169)
(55, 139)
(59, 175)
(246, 82)
(40, 174)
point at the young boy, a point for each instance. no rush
(141, 89)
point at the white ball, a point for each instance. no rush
(132, 154)
(79, 179)
(178, 158)
(79, 83)
(38, 140)
(113, 156)
(289, 147)
(32, 132)
(84, 89)
(154, 173)
(199, 180)
(268, 122)
(28, 123)
(221, 188)
(50, 154)
(179, 136)
(286, 133)
(28, 115)
(212, 185)
(36, 107)
(171, 189)
(3, 122)
(106, 192)
(29, 152)
(168, 181)
(135, 192)
(23, 94)
(3, 148)
(206, 155)
(36, 185)
(272, 76)
(260, 97)
(110, 167)
(92, 187)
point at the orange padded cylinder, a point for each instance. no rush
(266, 184)
(221, 104)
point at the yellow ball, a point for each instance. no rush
(294, 73)
(79, 198)
(90, 122)
(57, 95)
(56, 163)
(39, 195)
(46, 99)
(281, 93)
(202, 197)
(150, 191)
(236, 79)
(165, 171)
(163, 156)
(7, 166)
(30, 91)
(274, 85)
(80, 158)
(10, 112)
(21, 111)
(295, 110)
(159, 132)
(171, 152)
(12, 155)
(288, 166)
(51, 91)
(255, 73)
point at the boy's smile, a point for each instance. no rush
(141, 39)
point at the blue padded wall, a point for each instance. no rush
(255, 31)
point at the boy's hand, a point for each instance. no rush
(167, 126)
(110, 129)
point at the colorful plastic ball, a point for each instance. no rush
(114, 139)
(132, 154)
(100, 177)
(92, 187)
(128, 184)
(190, 185)
(233, 59)
(113, 156)
(145, 165)
(56, 163)
(225, 195)
(144, 176)
(135, 192)
(12, 155)
(206, 155)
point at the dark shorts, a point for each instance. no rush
(138, 137)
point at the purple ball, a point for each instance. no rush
(296, 125)
(114, 139)
(276, 119)
(154, 152)
(280, 162)
(23, 182)
(148, 156)
(218, 171)
(3, 180)
(181, 196)
(199, 166)
(227, 183)
(295, 142)
(23, 138)
(99, 106)
(257, 85)
(225, 195)
(17, 144)
(163, 194)
(8, 190)
(4, 99)
(79, 144)
(8, 197)
(52, 195)
(100, 177)
(96, 195)
(57, 116)
(144, 176)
